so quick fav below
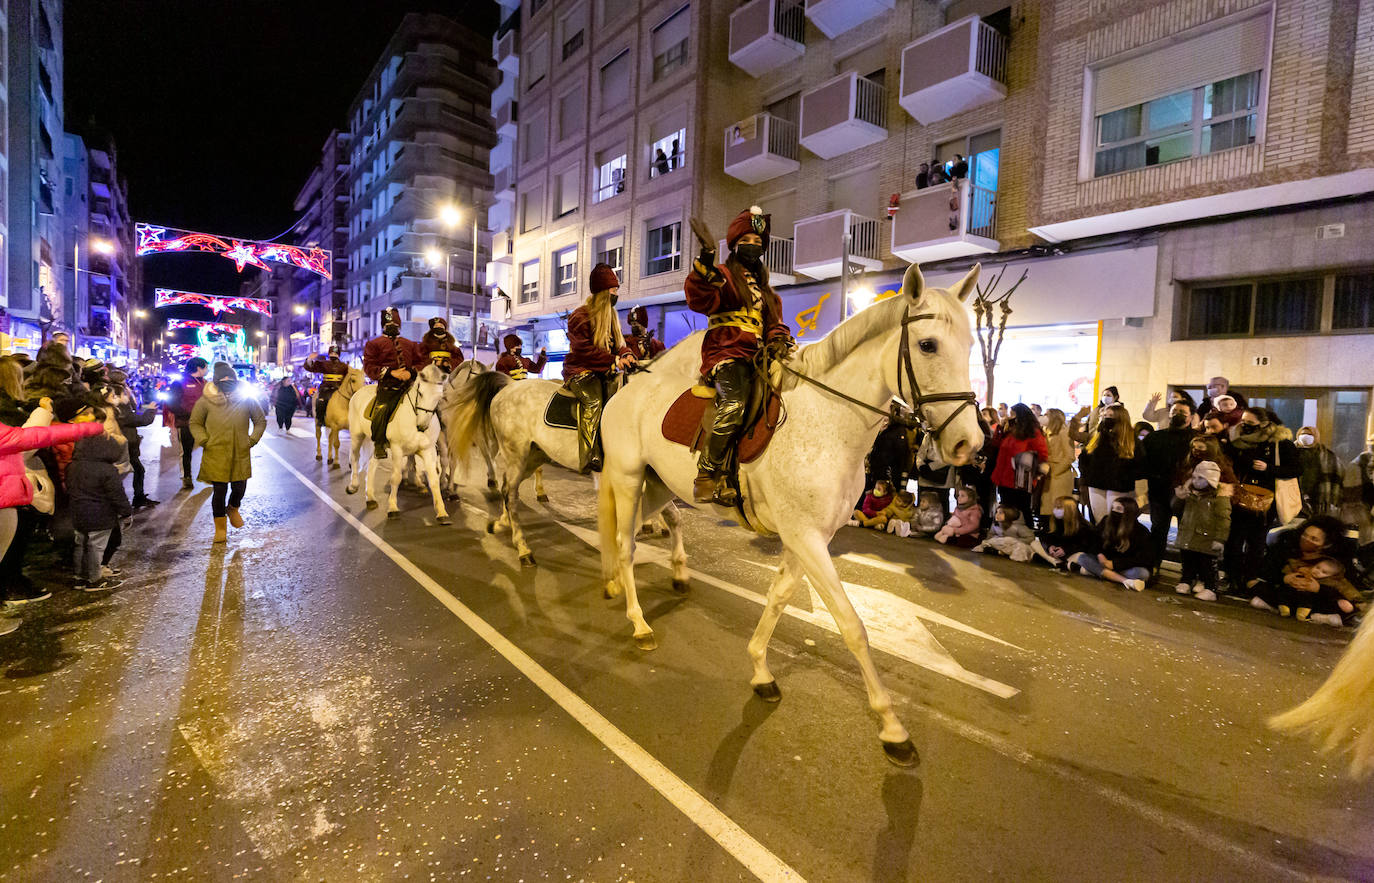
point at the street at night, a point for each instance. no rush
(311, 701)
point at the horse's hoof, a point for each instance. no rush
(318, 458)
(491, 482)
(453, 497)
(527, 560)
(395, 513)
(371, 504)
(350, 489)
(901, 754)
(491, 527)
(663, 532)
(681, 586)
(543, 498)
(444, 520)
(768, 692)
(646, 642)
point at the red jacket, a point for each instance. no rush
(519, 367)
(444, 353)
(185, 394)
(331, 368)
(645, 347)
(15, 489)
(713, 291)
(583, 353)
(1004, 473)
(382, 354)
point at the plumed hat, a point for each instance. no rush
(751, 220)
(511, 341)
(603, 278)
(391, 316)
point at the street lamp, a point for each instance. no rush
(450, 215)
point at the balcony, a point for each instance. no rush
(766, 34)
(502, 247)
(504, 187)
(950, 220)
(959, 67)
(843, 114)
(819, 244)
(760, 148)
(778, 259)
(834, 17)
(506, 48)
(507, 119)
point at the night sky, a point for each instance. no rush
(219, 109)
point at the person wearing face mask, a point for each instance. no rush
(390, 360)
(1161, 453)
(1109, 464)
(1065, 536)
(596, 350)
(1127, 555)
(513, 362)
(438, 345)
(1264, 452)
(1159, 416)
(745, 315)
(1203, 527)
(1217, 387)
(640, 339)
(1321, 478)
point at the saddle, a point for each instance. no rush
(689, 420)
(370, 411)
(561, 411)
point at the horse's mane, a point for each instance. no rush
(879, 318)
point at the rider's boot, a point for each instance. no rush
(221, 533)
(724, 493)
(704, 488)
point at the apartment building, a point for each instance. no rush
(420, 138)
(318, 306)
(34, 241)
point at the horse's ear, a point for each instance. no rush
(964, 287)
(913, 283)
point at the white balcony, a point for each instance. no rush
(950, 220)
(503, 187)
(834, 17)
(507, 118)
(506, 49)
(843, 114)
(760, 148)
(502, 247)
(505, 91)
(766, 34)
(959, 67)
(819, 244)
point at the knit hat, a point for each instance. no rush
(603, 279)
(438, 320)
(751, 220)
(639, 316)
(511, 341)
(1225, 403)
(224, 371)
(1209, 470)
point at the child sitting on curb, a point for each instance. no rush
(875, 501)
(930, 515)
(898, 514)
(1068, 534)
(1009, 536)
(964, 524)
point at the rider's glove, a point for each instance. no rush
(780, 348)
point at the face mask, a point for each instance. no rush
(1141, 437)
(1107, 423)
(749, 253)
(1108, 400)
(391, 330)
(440, 333)
(1248, 429)
(1201, 484)
(1178, 421)
(615, 299)
(1058, 513)
(1306, 440)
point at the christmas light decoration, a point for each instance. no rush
(153, 239)
(217, 327)
(170, 297)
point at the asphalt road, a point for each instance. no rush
(339, 696)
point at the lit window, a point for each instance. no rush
(610, 173)
(529, 282)
(668, 153)
(566, 262)
(663, 249)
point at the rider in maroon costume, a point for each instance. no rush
(516, 365)
(438, 346)
(596, 347)
(332, 372)
(389, 359)
(640, 339)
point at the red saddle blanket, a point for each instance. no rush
(685, 424)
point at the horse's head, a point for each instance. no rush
(352, 382)
(939, 340)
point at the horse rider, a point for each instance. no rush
(439, 347)
(640, 339)
(596, 348)
(745, 314)
(332, 371)
(391, 360)
(515, 364)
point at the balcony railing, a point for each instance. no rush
(820, 244)
(761, 147)
(982, 212)
(959, 67)
(834, 17)
(945, 221)
(843, 114)
(778, 259)
(507, 52)
(766, 34)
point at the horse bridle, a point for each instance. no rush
(906, 371)
(415, 403)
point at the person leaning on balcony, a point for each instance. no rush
(923, 176)
(959, 170)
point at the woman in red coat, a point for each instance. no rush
(1015, 474)
(596, 348)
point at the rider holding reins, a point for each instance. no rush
(332, 372)
(596, 349)
(745, 315)
(439, 347)
(391, 360)
(516, 365)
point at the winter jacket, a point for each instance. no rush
(1085, 540)
(383, 354)
(1011, 447)
(585, 354)
(927, 520)
(1205, 522)
(724, 294)
(1321, 480)
(1104, 470)
(1272, 444)
(15, 489)
(332, 372)
(1161, 452)
(896, 511)
(287, 399)
(1060, 482)
(1017, 531)
(130, 420)
(185, 394)
(872, 506)
(220, 425)
(1284, 554)
(1206, 406)
(965, 521)
(94, 487)
(1139, 553)
(12, 412)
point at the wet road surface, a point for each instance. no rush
(336, 695)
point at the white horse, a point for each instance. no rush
(1340, 715)
(336, 415)
(410, 433)
(804, 486)
(505, 418)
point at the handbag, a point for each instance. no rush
(1253, 498)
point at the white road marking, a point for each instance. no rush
(911, 642)
(717, 825)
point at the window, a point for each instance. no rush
(572, 30)
(532, 209)
(615, 82)
(571, 45)
(1265, 307)
(667, 152)
(566, 281)
(567, 190)
(1189, 98)
(536, 64)
(570, 114)
(669, 42)
(529, 282)
(534, 140)
(663, 248)
(610, 250)
(610, 173)
(1354, 302)
(788, 108)
(1289, 306)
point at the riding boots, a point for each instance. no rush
(733, 379)
(590, 390)
(388, 397)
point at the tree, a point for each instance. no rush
(992, 328)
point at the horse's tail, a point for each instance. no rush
(1340, 715)
(466, 410)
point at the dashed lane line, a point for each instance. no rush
(749, 852)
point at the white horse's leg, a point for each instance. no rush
(657, 498)
(610, 545)
(516, 472)
(627, 490)
(397, 461)
(779, 593)
(357, 444)
(370, 490)
(427, 458)
(814, 556)
(539, 493)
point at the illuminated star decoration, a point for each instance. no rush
(171, 297)
(215, 327)
(153, 239)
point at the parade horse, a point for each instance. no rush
(412, 431)
(836, 392)
(1340, 714)
(505, 419)
(336, 415)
